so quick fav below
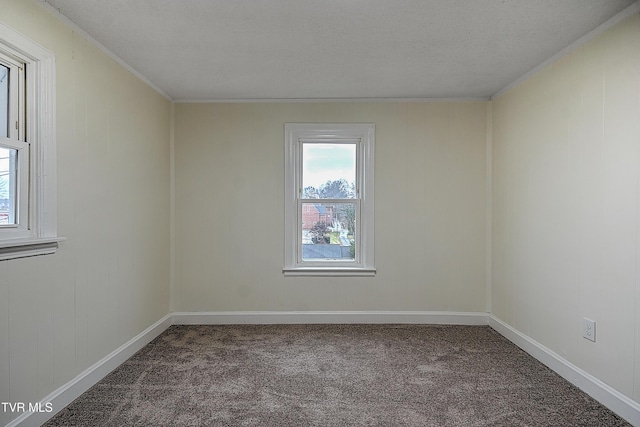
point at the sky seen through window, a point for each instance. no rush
(328, 162)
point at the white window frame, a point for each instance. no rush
(37, 232)
(295, 135)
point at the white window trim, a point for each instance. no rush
(294, 133)
(42, 237)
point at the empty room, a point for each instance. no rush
(297, 212)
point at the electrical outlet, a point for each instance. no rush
(589, 329)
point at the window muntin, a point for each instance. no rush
(329, 199)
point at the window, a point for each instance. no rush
(27, 148)
(14, 150)
(329, 195)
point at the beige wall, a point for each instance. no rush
(61, 313)
(566, 186)
(430, 208)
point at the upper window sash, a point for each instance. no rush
(346, 184)
(12, 98)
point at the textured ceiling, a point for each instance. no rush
(275, 49)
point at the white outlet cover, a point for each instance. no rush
(589, 329)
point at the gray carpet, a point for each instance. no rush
(333, 375)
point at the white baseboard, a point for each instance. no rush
(603, 393)
(328, 317)
(66, 394)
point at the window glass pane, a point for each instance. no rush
(4, 101)
(328, 231)
(329, 171)
(8, 157)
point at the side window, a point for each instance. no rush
(27, 148)
(329, 210)
(14, 149)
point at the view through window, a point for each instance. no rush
(329, 203)
(7, 186)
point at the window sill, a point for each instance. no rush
(329, 271)
(22, 248)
